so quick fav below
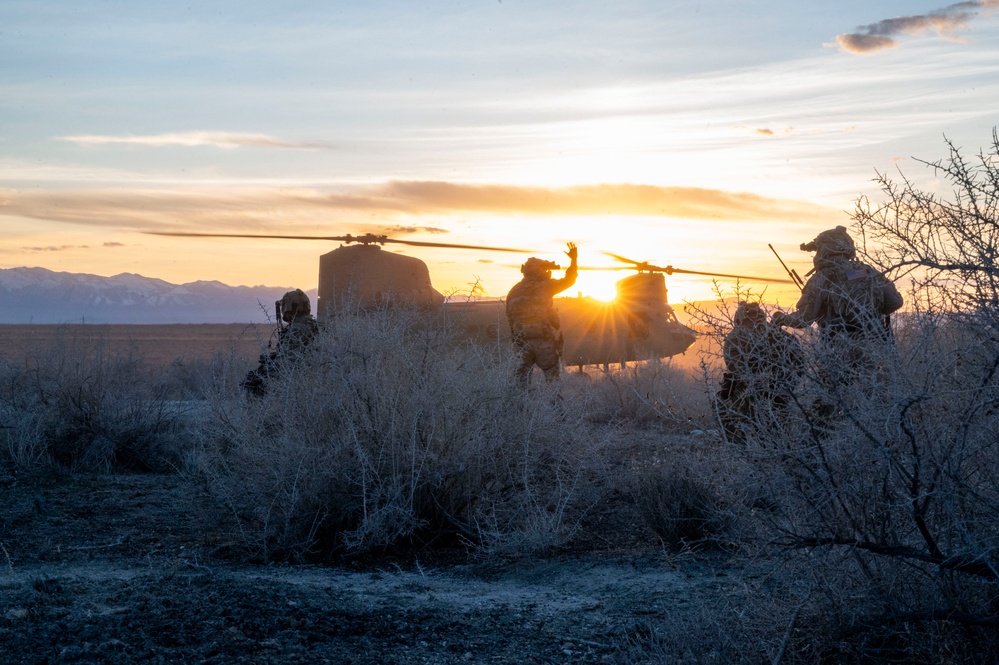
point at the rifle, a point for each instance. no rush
(279, 315)
(800, 283)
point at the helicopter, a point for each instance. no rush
(639, 324)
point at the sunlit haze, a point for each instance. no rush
(687, 134)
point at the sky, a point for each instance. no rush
(682, 133)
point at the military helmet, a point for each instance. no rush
(537, 268)
(293, 304)
(834, 243)
(749, 314)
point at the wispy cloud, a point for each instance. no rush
(881, 35)
(257, 210)
(433, 230)
(226, 140)
(55, 248)
(617, 199)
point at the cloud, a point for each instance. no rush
(415, 229)
(617, 199)
(226, 140)
(879, 36)
(270, 210)
(55, 248)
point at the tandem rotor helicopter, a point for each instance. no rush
(639, 324)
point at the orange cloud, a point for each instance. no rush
(618, 199)
(879, 36)
(433, 230)
(55, 248)
(250, 210)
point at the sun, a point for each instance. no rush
(596, 284)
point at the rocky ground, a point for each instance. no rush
(133, 568)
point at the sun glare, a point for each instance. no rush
(596, 284)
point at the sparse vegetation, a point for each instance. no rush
(390, 432)
(77, 405)
(881, 478)
(861, 518)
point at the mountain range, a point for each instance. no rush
(37, 295)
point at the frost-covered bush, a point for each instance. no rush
(390, 431)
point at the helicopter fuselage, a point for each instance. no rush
(638, 324)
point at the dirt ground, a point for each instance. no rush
(133, 568)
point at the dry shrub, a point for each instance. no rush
(389, 432)
(758, 620)
(883, 468)
(647, 392)
(682, 510)
(693, 491)
(81, 406)
(883, 473)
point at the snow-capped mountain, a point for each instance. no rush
(37, 295)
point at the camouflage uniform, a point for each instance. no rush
(534, 323)
(302, 327)
(293, 339)
(762, 365)
(851, 303)
(844, 297)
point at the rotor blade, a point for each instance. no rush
(347, 238)
(622, 259)
(777, 280)
(420, 243)
(669, 270)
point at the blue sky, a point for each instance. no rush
(683, 133)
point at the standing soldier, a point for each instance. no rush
(533, 319)
(851, 303)
(295, 310)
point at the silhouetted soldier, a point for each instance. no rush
(851, 302)
(295, 310)
(762, 366)
(848, 299)
(533, 318)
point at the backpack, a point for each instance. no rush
(857, 299)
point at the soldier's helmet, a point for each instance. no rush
(832, 244)
(295, 304)
(749, 314)
(537, 269)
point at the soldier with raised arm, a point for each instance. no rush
(534, 322)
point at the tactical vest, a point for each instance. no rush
(530, 311)
(854, 299)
